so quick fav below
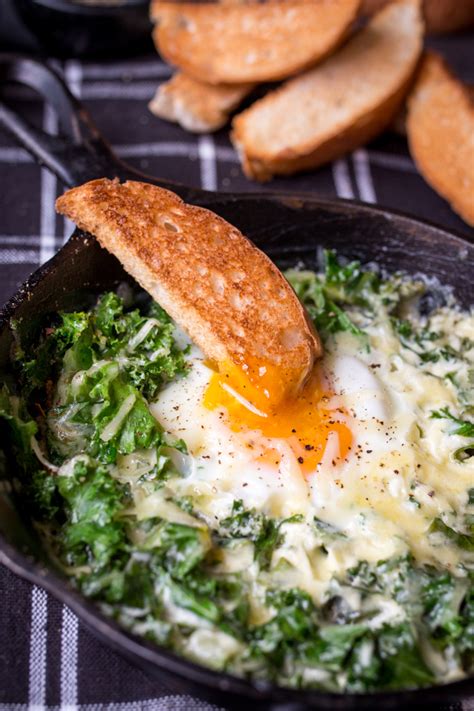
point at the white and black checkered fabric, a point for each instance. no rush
(47, 659)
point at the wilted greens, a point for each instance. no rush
(88, 449)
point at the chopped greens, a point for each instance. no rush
(463, 428)
(460, 427)
(335, 296)
(463, 540)
(281, 597)
(264, 532)
(321, 297)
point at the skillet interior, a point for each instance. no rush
(290, 230)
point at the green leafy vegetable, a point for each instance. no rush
(462, 540)
(327, 315)
(99, 476)
(22, 427)
(402, 658)
(264, 532)
(327, 530)
(181, 547)
(94, 533)
(464, 428)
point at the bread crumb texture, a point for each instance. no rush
(227, 295)
(337, 106)
(440, 129)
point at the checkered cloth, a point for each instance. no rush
(47, 659)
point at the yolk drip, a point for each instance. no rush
(304, 420)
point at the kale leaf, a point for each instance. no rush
(293, 623)
(179, 546)
(141, 339)
(327, 530)
(325, 295)
(461, 539)
(264, 532)
(464, 428)
(327, 315)
(22, 428)
(93, 533)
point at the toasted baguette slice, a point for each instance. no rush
(227, 295)
(440, 15)
(196, 106)
(440, 128)
(249, 42)
(339, 104)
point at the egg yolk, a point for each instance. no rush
(252, 399)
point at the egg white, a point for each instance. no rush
(380, 496)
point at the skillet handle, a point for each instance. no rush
(79, 153)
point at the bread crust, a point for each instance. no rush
(227, 295)
(323, 90)
(440, 128)
(249, 42)
(196, 106)
(440, 15)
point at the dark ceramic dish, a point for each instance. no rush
(79, 28)
(289, 229)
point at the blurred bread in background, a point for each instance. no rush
(440, 128)
(337, 106)
(198, 107)
(440, 15)
(249, 42)
(346, 82)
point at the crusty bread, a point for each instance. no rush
(440, 15)
(399, 123)
(440, 129)
(196, 106)
(338, 105)
(249, 42)
(230, 298)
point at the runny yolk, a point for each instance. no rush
(253, 400)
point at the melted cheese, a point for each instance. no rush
(383, 471)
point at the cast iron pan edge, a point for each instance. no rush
(83, 155)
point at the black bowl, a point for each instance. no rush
(75, 28)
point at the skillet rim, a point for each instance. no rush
(212, 198)
(153, 655)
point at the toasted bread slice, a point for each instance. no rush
(440, 15)
(440, 128)
(338, 105)
(227, 295)
(196, 106)
(249, 42)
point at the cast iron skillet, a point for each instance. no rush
(289, 229)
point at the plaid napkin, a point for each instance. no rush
(47, 659)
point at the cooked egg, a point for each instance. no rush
(347, 450)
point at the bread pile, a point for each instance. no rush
(346, 67)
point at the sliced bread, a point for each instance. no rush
(340, 104)
(229, 296)
(440, 15)
(249, 42)
(440, 128)
(196, 106)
